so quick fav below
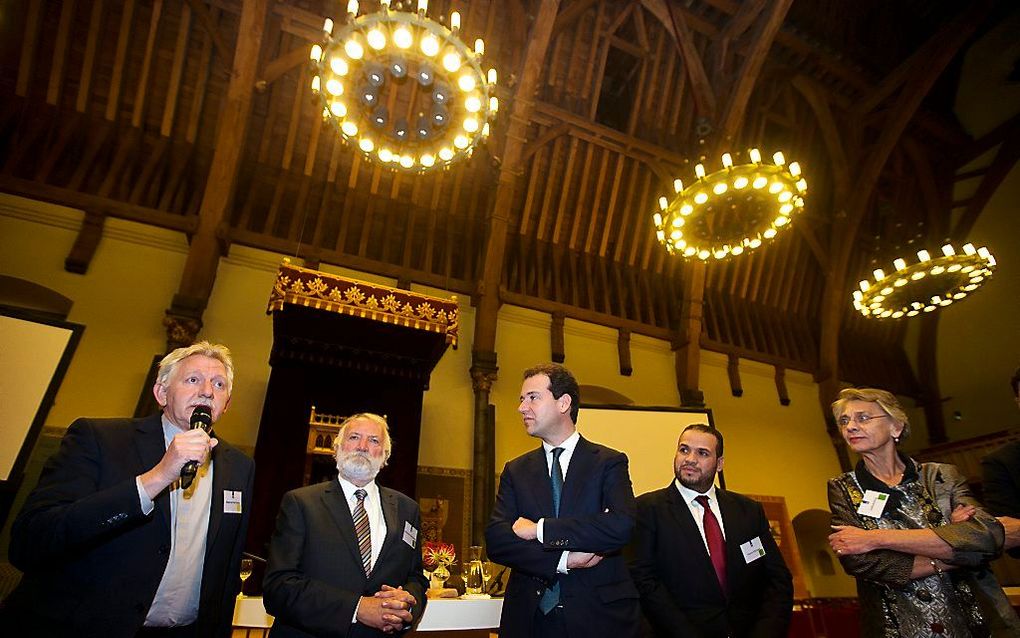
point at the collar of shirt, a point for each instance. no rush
(568, 446)
(349, 489)
(697, 512)
(169, 430)
(689, 495)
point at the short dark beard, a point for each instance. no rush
(701, 487)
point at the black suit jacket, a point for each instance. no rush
(596, 515)
(1001, 483)
(315, 576)
(680, 594)
(92, 560)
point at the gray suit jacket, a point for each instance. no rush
(315, 577)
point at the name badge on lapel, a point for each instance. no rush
(410, 535)
(231, 502)
(873, 504)
(752, 550)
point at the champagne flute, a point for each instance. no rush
(246, 567)
(486, 575)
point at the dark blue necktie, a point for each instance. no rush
(551, 596)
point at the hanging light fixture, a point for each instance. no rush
(926, 285)
(731, 210)
(385, 69)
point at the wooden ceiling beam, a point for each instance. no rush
(701, 89)
(208, 22)
(764, 35)
(571, 14)
(999, 169)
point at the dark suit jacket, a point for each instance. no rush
(680, 594)
(1001, 483)
(315, 576)
(596, 515)
(92, 560)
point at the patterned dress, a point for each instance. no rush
(892, 604)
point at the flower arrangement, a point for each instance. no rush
(438, 553)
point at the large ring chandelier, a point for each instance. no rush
(402, 88)
(926, 285)
(731, 210)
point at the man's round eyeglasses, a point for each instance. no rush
(861, 419)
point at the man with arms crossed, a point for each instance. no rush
(563, 513)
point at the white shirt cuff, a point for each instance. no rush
(143, 499)
(354, 618)
(562, 567)
(540, 533)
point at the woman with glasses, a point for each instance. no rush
(911, 533)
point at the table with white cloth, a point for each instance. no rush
(460, 617)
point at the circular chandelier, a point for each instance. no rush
(403, 88)
(925, 285)
(730, 210)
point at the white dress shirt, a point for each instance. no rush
(176, 599)
(698, 512)
(568, 446)
(376, 520)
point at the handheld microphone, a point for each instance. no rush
(200, 418)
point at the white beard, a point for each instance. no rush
(358, 467)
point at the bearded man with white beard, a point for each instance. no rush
(345, 559)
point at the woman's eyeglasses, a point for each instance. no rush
(861, 419)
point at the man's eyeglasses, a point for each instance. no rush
(861, 419)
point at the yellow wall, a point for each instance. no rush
(770, 449)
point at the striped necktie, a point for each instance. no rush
(362, 529)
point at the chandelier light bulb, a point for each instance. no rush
(327, 26)
(968, 249)
(900, 264)
(428, 160)
(349, 128)
(353, 49)
(479, 47)
(466, 82)
(366, 145)
(678, 185)
(922, 255)
(403, 38)
(699, 170)
(315, 84)
(430, 45)
(779, 158)
(455, 21)
(423, 6)
(352, 7)
(983, 252)
(316, 53)
(727, 160)
(338, 65)
(948, 250)
(794, 169)
(451, 61)
(376, 39)
(755, 155)
(879, 274)
(491, 77)
(494, 104)
(406, 161)
(445, 154)
(663, 203)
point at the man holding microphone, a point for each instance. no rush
(115, 540)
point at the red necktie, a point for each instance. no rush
(716, 543)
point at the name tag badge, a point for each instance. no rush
(410, 535)
(873, 504)
(752, 550)
(231, 502)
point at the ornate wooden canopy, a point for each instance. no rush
(196, 116)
